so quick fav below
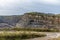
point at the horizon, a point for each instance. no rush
(29, 12)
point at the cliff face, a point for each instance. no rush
(39, 20)
(31, 20)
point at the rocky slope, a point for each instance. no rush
(39, 20)
(31, 20)
(9, 21)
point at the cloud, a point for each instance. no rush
(9, 7)
(10, 2)
(15, 4)
(4, 4)
(55, 2)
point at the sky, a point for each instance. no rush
(18, 7)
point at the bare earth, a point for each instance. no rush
(49, 36)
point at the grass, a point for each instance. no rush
(20, 34)
(23, 33)
(31, 29)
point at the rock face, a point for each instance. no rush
(39, 20)
(31, 20)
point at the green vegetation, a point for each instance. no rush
(19, 35)
(36, 29)
(30, 29)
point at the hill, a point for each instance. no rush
(31, 20)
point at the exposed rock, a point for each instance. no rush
(39, 20)
(31, 20)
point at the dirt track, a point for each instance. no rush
(49, 36)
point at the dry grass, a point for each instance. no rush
(20, 34)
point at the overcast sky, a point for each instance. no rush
(16, 7)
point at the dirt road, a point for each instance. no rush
(48, 37)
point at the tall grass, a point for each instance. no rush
(20, 34)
